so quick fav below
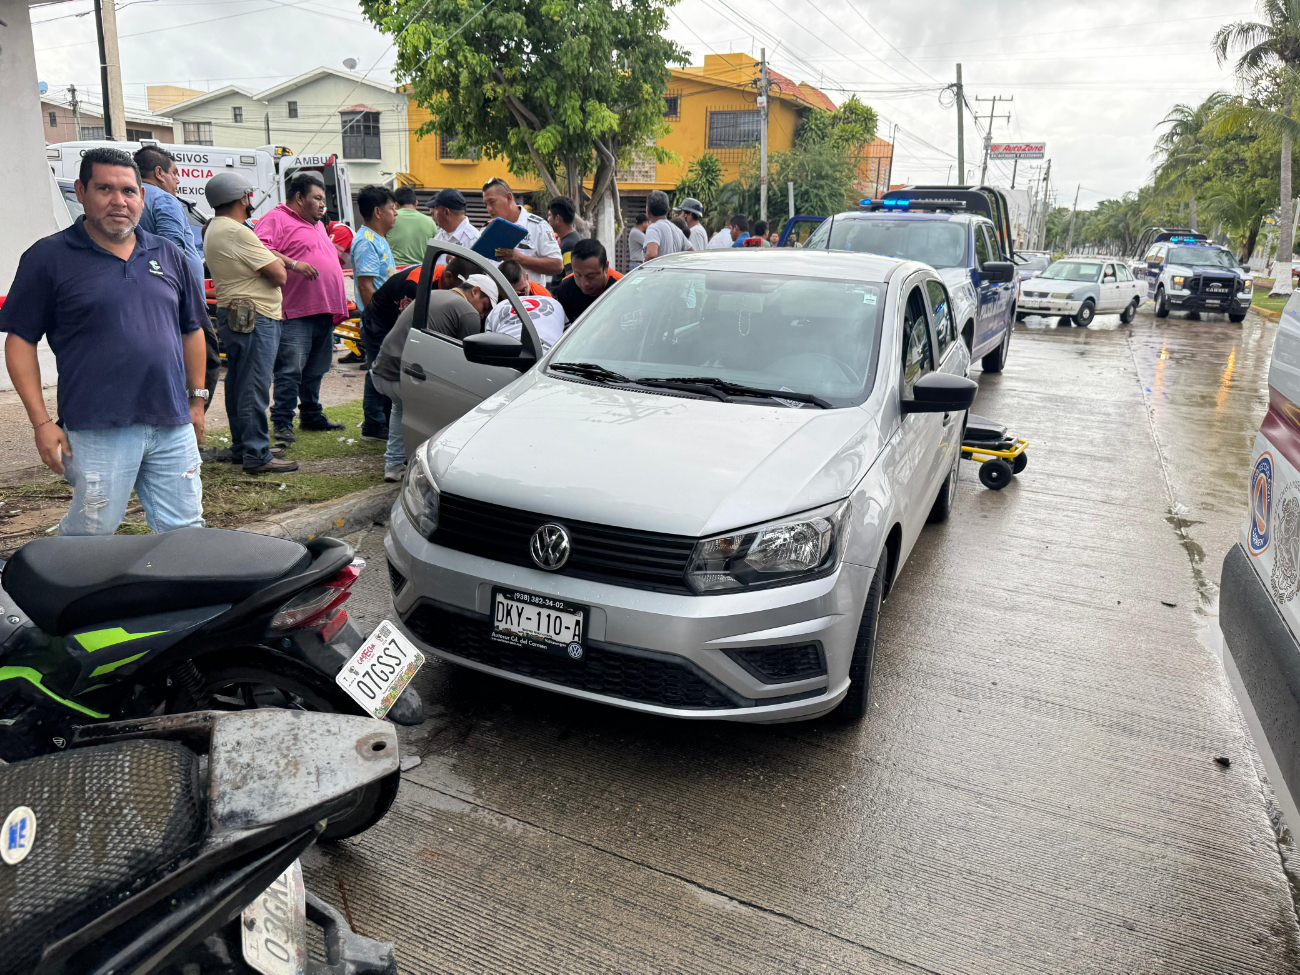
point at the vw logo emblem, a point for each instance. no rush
(549, 547)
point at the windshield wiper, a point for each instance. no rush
(734, 389)
(590, 370)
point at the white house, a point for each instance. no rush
(324, 110)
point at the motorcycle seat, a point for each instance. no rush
(109, 820)
(70, 582)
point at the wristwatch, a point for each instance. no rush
(197, 394)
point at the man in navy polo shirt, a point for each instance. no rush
(124, 316)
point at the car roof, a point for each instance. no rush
(796, 262)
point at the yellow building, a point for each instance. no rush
(711, 108)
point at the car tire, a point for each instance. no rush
(996, 360)
(1128, 314)
(1021, 315)
(1087, 312)
(947, 494)
(1162, 304)
(854, 706)
(1237, 317)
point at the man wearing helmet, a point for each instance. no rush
(692, 211)
(247, 277)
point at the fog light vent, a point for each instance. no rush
(780, 665)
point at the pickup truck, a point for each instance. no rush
(964, 247)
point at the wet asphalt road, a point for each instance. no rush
(1035, 789)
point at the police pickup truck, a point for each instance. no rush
(1184, 271)
(959, 231)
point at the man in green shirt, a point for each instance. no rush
(412, 230)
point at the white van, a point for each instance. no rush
(267, 168)
(1259, 611)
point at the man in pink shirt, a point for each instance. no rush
(314, 301)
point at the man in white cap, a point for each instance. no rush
(456, 312)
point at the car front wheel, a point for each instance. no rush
(854, 706)
(1162, 304)
(1086, 313)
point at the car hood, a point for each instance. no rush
(657, 463)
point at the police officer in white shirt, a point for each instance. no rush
(453, 226)
(539, 252)
(546, 313)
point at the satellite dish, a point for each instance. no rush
(350, 63)
(42, 87)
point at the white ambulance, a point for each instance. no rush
(267, 168)
(1259, 601)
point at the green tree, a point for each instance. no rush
(1182, 149)
(1266, 46)
(559, 88)
(702, 181)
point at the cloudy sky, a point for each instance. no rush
(1091, 79)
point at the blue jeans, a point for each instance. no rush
(160, 463)
(250, 359)
(395, 452)
(306, 346)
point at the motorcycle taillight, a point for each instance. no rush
(314, 604)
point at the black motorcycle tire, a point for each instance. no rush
(306, 690)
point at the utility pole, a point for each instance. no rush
(1069, 238)
(988, 136)
(789, 187)
(76, 110)
(961, 130)
(267, 120)
(889, 172)
(762, 135)
(110, 70)
(1042, 222)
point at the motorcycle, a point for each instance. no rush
(107, 628)
(170, 845)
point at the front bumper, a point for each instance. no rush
(1048, 306)
(660, 653)
(1208, 302)
(1262, 660)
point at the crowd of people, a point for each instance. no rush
(120, 298)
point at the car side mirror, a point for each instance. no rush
(498, 349)
(998, 272)
(940, 392)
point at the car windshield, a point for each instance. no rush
(939, 243)
(1191, 256)
(1073, 271)
(810, 336)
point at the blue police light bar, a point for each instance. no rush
(1188, 240)
(865, 202)
(896, 203)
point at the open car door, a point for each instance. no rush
(439, 384)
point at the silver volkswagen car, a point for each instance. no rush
(695, 502)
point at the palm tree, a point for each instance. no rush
(1264, 46)
(1241, 207)
(1182, 146)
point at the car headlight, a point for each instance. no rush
(420, 497)
(1247, 286)
(778, 553)
(1063, 295)
(1177, 280)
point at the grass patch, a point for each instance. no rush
(1261, 299)
(332, 464)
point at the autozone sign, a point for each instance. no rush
(1018, 150)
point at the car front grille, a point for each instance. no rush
(1035, 294)
(645, 676)
(779, 665)
(625, 556)
(1212, 285)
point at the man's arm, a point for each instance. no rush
(308, 271)
(25, 373)
(276, 272)
(652, 250)
(195, 349)
(365, 289)
(169, 221)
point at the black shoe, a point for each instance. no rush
(284, 434)
(274, 466)
(379, 437)
(324, 423)
(351, 359)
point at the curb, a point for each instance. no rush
(348, 514)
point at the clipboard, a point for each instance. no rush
(499, 233)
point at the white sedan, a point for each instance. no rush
(1080, 288)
